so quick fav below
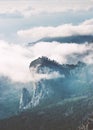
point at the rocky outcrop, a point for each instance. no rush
(87, 124)
(25, 99)
(48, 86)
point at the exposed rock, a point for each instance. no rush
(25, 99)
(87, 124)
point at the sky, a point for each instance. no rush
(21, 15)
(26, 21)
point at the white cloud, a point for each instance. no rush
(63, 53)
(85, 28)
(12, 7)
(14, 62)
(28, 8)
(47, 75)
(15, 59)
(88, 22)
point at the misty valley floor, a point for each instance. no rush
(64, 115)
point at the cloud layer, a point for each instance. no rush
(15, 59)
(14, 62)
(36, 33)
(28, 8)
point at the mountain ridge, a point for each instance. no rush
(79, 39)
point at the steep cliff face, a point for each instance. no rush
(52, 83)
(25, 99)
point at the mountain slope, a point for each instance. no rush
(54, 102)
(54, 79)
(79, 39)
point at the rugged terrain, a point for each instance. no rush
(60, 99)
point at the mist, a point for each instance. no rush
(16, 58)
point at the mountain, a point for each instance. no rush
(59, 99)
(43, 64)
(63, 115)
(53, 83)
(25, 99)
(69, 39)
(87, 123)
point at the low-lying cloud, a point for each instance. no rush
(36, 33)
(52, 75)
(14, 62)
(15, 59)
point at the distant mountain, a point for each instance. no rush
(69, 39)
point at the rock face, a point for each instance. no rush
(25, 99)
(87, 124)
(53, 82)
(45, 65)
(38, 93)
